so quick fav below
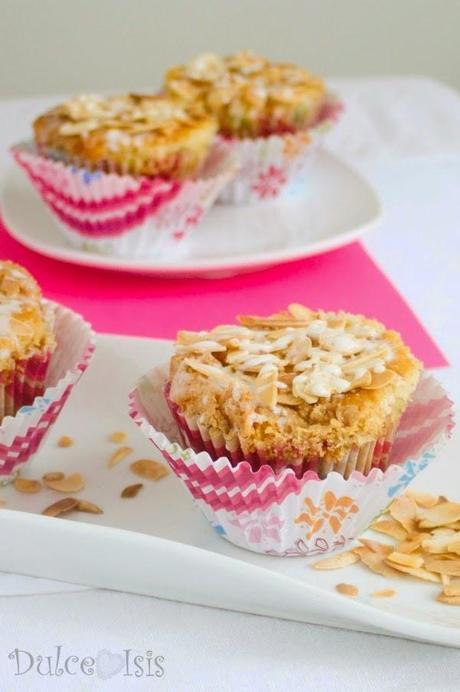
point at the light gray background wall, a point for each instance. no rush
(52, 46)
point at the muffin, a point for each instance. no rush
(304, 389)
(133, 134)
(26, 339)
(249, 95)
(272, 116)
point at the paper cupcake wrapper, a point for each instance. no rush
(22, 434)
(124, 215)
(20, 386)
(268, 166)
(280, 513)
(372, 455)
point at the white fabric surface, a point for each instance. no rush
(404, 135)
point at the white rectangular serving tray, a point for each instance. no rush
(159, 544)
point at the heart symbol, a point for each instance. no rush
(108, 664)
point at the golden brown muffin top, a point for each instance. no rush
(242, 78)
(311, 382)
(24, 321)
(118, 116)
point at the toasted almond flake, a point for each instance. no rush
(450, 600)
(384, 593)
(148, 468)
(450, 587)
(377, 564)
(442, 514)
(27, 485)
(405, 559)
(266, 390)
(437, 564)
(65, 441)
(61, 507)
(425, 500)
(418, 572)
(390, 527)
(364, 381)
(454, 547)
(70, 484)
(132, 490)
(411, 544)
(118, 455)
(347, 590)
(53, 476)
(118, 437)
(439, 543)
(90, 507)
(404, 510)
(376, 547)
(380, 379)
(455, 525)
(337, 561)
(300, 312)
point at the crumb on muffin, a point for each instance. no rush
(146, 135)
(248, 94)
(298, 384)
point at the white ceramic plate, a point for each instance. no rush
(159, 544)
(335, 208)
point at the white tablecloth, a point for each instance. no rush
(404, 135)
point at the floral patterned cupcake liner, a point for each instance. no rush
(268, 166)
(124, 215)
(22, 434)
(278, 513)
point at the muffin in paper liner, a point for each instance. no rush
(269, 166)
(22, 434)
(279, 513)
(124, 215)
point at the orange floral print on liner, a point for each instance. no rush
(331, 509)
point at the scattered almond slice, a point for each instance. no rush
(27, 485)
(390, 527)
(455, 525)
(132, 490)
(90, 507)
(451, 600)
(347, 590)
(404, 510)
(442, 514)
(454, 547)
(70, 484)
(65, 441)
(384, 593)
(418, 572)
(63, 506)
(376, 547)
(405, 559)
(412, 543)
(337, 561)
(436, 564)
(148, 468)
(439, 543)
(118, 456)
(451, 587)
(377, 564)
(53, 476)
(118, 437)
(425, 500)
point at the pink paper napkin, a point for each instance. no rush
(146, 306)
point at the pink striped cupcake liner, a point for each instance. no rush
(281, 512)
(124, 215)
(42, 390)
(270, 166)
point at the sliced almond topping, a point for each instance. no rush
(53, 476)
(118, 455)
(364, 381)
(132, 490)
(300, 312)
(90, 507)
(444, 513)
(404, 510)
(70, 484)
(451, 600)
(65, 441)
(347, 590)
(384, 593)
(440, 566)
(148, 468)
(273, 322)
(376, 547)
(118, 437)
(405, 559)
(418, 572)
(265, 388)
(27, 485)
(207, 370)
(425, 500)
(337, 561)
(364, 359)
(380, 379)
(390, 527)
(61, 507)
(286, 399)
